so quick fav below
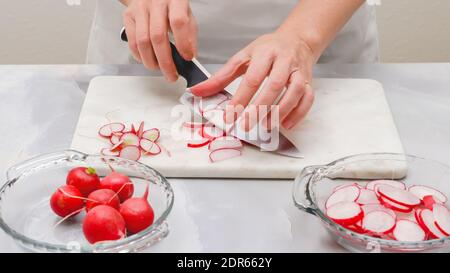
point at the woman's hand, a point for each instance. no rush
(281, 57)
(147, 23)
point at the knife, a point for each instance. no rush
(194, 72)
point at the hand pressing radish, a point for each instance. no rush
(119, 183)
(84, 179)
(103, 223)
(102, 197)
(137, 213)
(67, 200)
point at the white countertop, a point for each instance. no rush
(39, 109)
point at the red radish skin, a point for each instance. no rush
(345, 213)
(66, 200)
(428, 224)
(199, 143)
(349, 193)
(393, 183)
(119, 183)
(378, 222)
(137, 213)
(399, 196)
(395, 206)
(408, 231)
(421, 191)
(102, 197)
(193, 125)
(224, 154)
(108, 130)
(442, 218)
(211, 132)
(103, 223)
(428, 201)
(140, 131)
(84, 179)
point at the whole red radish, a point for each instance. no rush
(102, 197)
(103, 223)
(66, 200)
(137, 213)
(84, 179)
(119, 183)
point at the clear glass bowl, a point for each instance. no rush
(315, 183)
(25, 213)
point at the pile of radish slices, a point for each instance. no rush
(388, 209)
(132, 143)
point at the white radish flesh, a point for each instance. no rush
(367, 197)
(345, 213)
(224, 154)
(211, 132)
(149, 147)
(225, 142)
(442, 218)
(115, 138)
(152, 134)
(399, 196)
(377, 207)
(378, 222)
(396, 184)
(108, 152)
(422, 191)
(131, 152)
(408, 231)
(395, 206)
(108, 129)
(345, 194)
(130, 139)
(427, 222)
(211, 102)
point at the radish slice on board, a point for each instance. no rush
(422, 191)
(140, 131)
(130, 139)
(442, 218)
(224, 154)
(131, 152)
(115, 138)
(149, 147)
(377, 207)
(428, 224)
(395, 206)
(193, 125)
(399, 196)
(108, 129)
(378, 222)
(199, 143)
(152, 134)
(408, 231)
(396, 184)
(211, 132)
(117, 146)
(367, 197)
(345, 194)
(225, 142)
(108, 152)
(345, 213)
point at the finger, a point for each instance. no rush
(292, 96)
(130, 29)
(160, 40)
(301, 110)
(143, 40)
(180, 24)
(275, 84)
(234, 68)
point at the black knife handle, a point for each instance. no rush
(187, 69)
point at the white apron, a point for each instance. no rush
(226, 26)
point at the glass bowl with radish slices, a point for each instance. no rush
(73, 202)
(380, 202)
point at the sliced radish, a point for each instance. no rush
(211, 132)
(225, 142)
(367, 197)
(428, 222)
(345, 194)
(394, 205)
(130, 139)
(140, 131)
(199, 143)
(399, 196)
(130, 152)
(152, 134)
(108, 152)
(193, 125)
(428, 201)
(345, 213)
(422, 191)
(442, 218)
(377, 207)
(224, 154)
(115, 138)
(396, 184)
(149, 147)
(117, 147)
(408, 231)
(417, 216)
(133, 129)
(378, 222)
(108, 129)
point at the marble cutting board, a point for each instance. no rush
(350, 116)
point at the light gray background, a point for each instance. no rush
(51, 31)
